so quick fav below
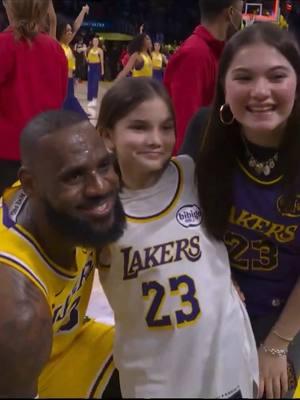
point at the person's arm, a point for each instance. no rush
(128, 67)
(165, 60)
(79, 20)
(101, 53)
(194, 133)
(52, 20)
(273, 370)
(141, 29)
(64, 76)
(185, 79)
(25, 334)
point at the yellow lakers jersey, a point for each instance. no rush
(147, 70)
(70, 56)
(93, 56)
(157, 60)
(66, 291)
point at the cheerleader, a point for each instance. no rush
(65, 34)
(140, 61)
(95, 59)
(159, 61)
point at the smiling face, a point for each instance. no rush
(79, 198)
(143, 141)
(260, 88)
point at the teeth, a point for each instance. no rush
(103, 207)
(266, 109)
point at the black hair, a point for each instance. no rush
(61, 26)
(46, 123)
(137, 44)
(210, 9)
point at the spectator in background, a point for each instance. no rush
(65, 33)
(33, 78)
(159, 62)
(95, 59)
(80, 50)
(191, 73)
(140, 61)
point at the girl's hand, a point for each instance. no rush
(273, 378)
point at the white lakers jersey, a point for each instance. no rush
(181, 329)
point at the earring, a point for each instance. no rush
(222, 117)
(110, 151)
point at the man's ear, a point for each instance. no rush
(27, 182)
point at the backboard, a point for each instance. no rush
(267, 10)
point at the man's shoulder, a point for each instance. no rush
(193, 47)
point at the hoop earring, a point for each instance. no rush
(222, 117)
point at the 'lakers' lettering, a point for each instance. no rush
(68, 310)
(245, 219)
(162, 254)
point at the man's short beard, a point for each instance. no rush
(83, 233)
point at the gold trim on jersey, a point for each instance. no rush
(257, 180)
(19, 265)
(63, 273)
(168, 208)
(102, 379)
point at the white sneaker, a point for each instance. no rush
(92, 103)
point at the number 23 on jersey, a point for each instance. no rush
(182, 286)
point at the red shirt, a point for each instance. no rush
(33, 79)
(190, 77)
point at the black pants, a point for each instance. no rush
(8, 173)
(261, 328)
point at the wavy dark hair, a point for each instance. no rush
(61, 26)
(217, 159)
(137, 44)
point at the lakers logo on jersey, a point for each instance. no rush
(135, 261)
(292, 211)
(66, 313)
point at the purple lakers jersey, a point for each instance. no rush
(263, 242)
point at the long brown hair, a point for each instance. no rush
(217, 158)
(27, 16)
(125, 96)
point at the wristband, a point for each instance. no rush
(286, 339)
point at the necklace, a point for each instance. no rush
(260, 167)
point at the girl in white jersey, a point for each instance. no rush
(181, 329)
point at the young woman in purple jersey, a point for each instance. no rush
(248, 171)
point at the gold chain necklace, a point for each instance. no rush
(260, 167)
